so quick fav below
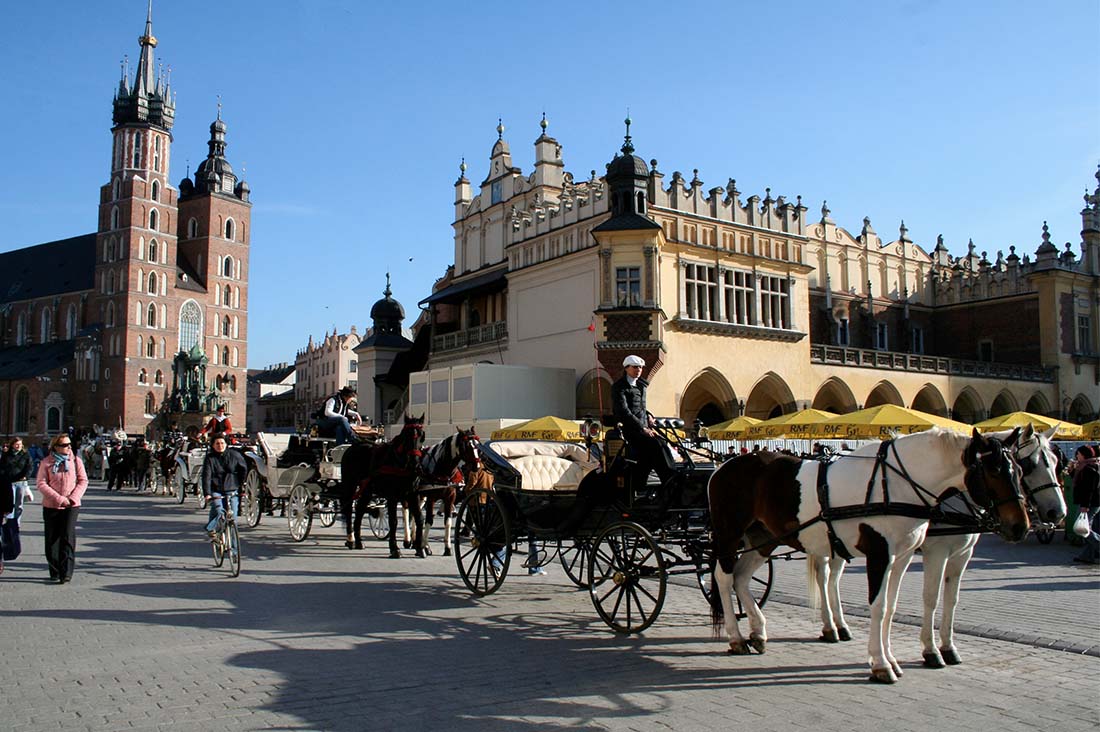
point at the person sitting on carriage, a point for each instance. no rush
(218, 423)
(628, 405)
(335, 416)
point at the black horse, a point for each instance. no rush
(390, 470)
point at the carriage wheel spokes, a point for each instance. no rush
(180, 486)
(252, 509)
(326, 512)
(482, 543)
(627, 577)
(298, 513)
(574, 555)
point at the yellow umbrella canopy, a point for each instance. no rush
(795, 424)
(543, 428)
(732, 429)
(1037, 421)
(884, 422)
(1091, 430)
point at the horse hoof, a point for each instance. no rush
(829, 636)
(738, 649)
(933, 660)
(420, 553)
(844, 634)
(407, 544)
(758, 644)
(447, 551)
(395, 553)
(950, 656)
(349, 544)
(897, 669)
(883, 676)
(427, 550)
(358, 544)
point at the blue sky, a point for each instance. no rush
(977, 119)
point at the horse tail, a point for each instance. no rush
(717, 614)
(813, 581)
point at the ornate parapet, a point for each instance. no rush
(892, 360)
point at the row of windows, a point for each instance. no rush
(45, 326)
(228, 357)
(133, 151)
(229, 231)
(154, 190)
(158, 378)
(733, 241)
(732, 296)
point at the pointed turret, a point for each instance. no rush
(1090, 230)
(147, 100)
(215, 174)
(549, 169)
(627, 180)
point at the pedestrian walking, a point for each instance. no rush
(1086, 494)
(62, 482)
(15, 468)
(141, 458)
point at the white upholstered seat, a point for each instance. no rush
(547, 466)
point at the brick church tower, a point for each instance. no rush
(171, 265)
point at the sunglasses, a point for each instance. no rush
(64, 444)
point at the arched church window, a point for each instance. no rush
(114, 218)
(225, 354)
(152, 283)
(70, 323)
(158, 378)
(153, 249)
(153, 219)
(156, 184)
(44, 326)
(229, 229)
(152, 318)
(21, 417)
(190, 325)
(137, 150)
(150, 403)
(192, 228)
(227, 267)
(225, 326)
(227, 296)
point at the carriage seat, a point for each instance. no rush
(547, 466)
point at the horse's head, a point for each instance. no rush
(1037, 459)
(468, 446)
(410, 441)
(993, 481)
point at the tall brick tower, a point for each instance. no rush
(214, 231)
(136, 249)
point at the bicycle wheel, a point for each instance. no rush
(233, 547)
(217, 543)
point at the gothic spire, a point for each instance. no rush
(148, 100)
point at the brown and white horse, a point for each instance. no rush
(443, 467)
(948, 547)
(876, 502)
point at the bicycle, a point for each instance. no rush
(226, 540)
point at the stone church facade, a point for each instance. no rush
(90, 326)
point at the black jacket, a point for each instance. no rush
(141, 457)
(628, 404)
(223, 473)
(15, 466)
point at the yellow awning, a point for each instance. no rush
(797, 425)
(1091, 430)
(732, 429)
(884, 422)
(1066, 430)
(543, 428)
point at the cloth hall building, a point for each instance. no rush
(90, 327)
(752, 304)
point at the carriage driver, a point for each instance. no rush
(336, 415)
(628, 405)
(218, 423)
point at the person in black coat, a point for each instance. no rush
(141, 457)
(223, 474)
(629, 408)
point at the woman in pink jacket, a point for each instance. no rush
(62, 482)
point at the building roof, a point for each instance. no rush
(485, 283)
(26, 362)
(52, 268)
(272, 376)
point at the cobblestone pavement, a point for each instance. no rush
(315, 637)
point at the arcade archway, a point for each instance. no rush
(929, 400)
(883, 393)
(770, 397)
(834, 396)
(968, 407)
(708, 397)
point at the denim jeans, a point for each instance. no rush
(340, 427)
(217, 508)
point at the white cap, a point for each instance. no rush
(633, 361)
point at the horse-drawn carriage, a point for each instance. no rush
(620, 539)
(295, 474)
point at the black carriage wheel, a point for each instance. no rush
(180, 486)
(482, 543)
(628, 579)
(377, 518)
(574, 556)
(298, 513)
(760, 586)
(252, 510)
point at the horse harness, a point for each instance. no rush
(931, 508)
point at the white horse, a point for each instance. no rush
(875, 501)
(947, 550)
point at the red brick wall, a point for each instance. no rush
(1012, 326)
